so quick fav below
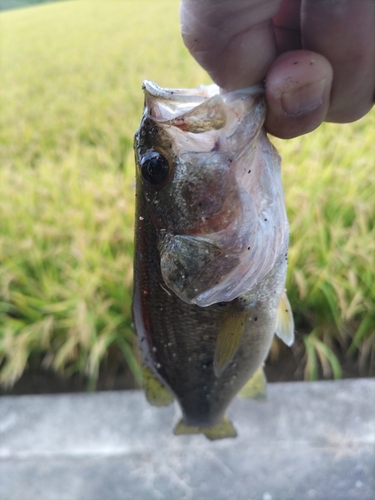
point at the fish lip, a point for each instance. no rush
(166, 105)
(192, 97)
(200, 93)
(197, 95)
(158, 100)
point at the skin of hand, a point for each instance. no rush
(317, 57)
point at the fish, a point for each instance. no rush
(210, 250)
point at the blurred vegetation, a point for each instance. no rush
(16, 4)
(328, 179)
(70, 102)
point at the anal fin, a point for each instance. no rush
(156, 393)
(284, 321)
(222, 430)
(255, 387)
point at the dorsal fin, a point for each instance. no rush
(284, 321)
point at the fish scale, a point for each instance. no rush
(205, 354)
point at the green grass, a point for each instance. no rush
(329, 177)
(70, 102)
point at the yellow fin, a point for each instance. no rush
(222, 430)
(229, 336)
(284, 321)
(156, 393)
(255, 387)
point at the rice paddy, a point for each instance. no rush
(70, 101)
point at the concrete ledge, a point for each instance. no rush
(306, 441)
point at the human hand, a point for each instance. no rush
(317, 57)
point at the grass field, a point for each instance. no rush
(16, 4)
(71, 100)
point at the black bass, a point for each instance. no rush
(211, 242)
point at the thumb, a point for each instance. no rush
(298, 87)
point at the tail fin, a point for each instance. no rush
(222, 430)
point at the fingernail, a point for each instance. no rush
(303, 99)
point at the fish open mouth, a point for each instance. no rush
(220, 215)
(203, 104)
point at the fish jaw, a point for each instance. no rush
(222, 199)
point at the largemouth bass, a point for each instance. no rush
(211, 242)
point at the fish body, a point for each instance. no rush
(211, 240)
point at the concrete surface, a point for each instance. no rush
(306, 441)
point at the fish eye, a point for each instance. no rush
(154, 168)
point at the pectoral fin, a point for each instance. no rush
(284, 321)
(223, 429)
(156, 393)
(230, 334)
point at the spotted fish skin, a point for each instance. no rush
(210, 244)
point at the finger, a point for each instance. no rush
(287, 26)
(232, 39)
(344, 32)
(297, 91)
